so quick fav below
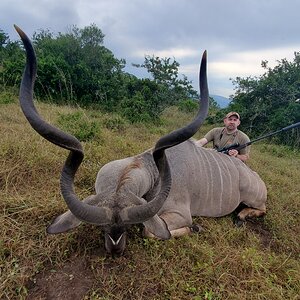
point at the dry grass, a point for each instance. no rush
(258, 261)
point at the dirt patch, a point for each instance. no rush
(70, 282)
(257, 226)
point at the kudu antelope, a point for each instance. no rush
(161, 188)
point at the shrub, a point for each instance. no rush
(135, 109)
(115, 123)
(79, 125)
(188, 105)
(7, 97)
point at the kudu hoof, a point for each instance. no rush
(238, 222)
(196, 228)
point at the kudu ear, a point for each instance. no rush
(67, 220)
(63, 223)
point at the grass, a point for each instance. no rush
(257, 261)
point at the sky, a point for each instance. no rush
(237, 34)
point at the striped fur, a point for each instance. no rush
(204, 183)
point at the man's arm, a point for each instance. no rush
(202, 142)
(235, 153)
(244, 153)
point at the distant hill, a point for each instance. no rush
(222, 101)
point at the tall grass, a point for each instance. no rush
(257, 261)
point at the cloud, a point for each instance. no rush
(248, 63)
(178, 53)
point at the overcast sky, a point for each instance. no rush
(238, 34)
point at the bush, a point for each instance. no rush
(115, 123)
(135, 109)
(188, 105)
(7, 97)
(79, 125)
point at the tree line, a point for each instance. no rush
(271, 101)
(76, 68)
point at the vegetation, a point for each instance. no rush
(257, 261)
(116, 115)
(268, 103)
(76, 68)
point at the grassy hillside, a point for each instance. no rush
(260, 260)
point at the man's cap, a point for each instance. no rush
(233, 113)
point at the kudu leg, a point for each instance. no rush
(178, 224)
(177, 232)
(249, 213)
(195, 228)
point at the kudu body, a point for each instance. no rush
(161, 188)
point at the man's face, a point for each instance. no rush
(232, 123)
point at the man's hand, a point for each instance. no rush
(233, 152)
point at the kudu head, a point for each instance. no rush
(112, 212)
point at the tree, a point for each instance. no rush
(3, 39)
(267, 103)
(11, 61)
(77, 67)
(165, 73)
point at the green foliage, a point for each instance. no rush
(152, 95)
(215, 114)
(213, 105)
(11, 64)
(165, 73)
(135, 109)
(3, 38)
(7, 97)
(267, 103)
(163, 70)
(76, 68)
(79, 125)
(188, 105)
(115, 123)
(280, 150)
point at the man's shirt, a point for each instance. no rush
(221, 138)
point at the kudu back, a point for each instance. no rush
(162, 188)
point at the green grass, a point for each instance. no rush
(257, 261)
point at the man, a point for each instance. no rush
(227, 135)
